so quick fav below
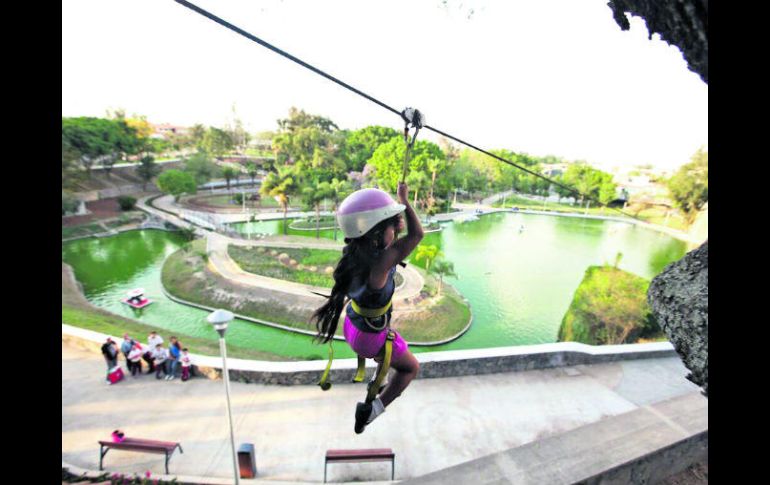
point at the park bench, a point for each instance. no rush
(141, 445)
(359, 456)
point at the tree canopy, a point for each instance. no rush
(176, 182)
(689, 186)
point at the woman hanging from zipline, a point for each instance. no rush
(371, 221)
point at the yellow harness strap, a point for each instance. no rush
(375, 387)
(361, 370)
(371, 312)
(324, 382)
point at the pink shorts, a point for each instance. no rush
(368, 344)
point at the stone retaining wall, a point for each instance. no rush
(432, 364)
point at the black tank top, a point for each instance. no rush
(367, 297)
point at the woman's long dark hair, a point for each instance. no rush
(358, 256)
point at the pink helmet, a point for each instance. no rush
(364, 209)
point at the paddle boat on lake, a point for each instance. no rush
(136, 299)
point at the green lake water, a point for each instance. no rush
(518, 271)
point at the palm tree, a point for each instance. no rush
(228, 173)
(443, 268)
(313, 195)
(428, 253)
(281, 185)
(339, 189)
(251, 169)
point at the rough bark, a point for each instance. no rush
(679, 299)
(683, 23)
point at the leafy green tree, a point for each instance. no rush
(428, 253)
(176, 183)
(561, 191)
(313, 144)
(281, 185)
(97, 140)
(388, 161)
(216, 142)
(201, 168)
(443, 268)
(146, 170)
(590, 182)
(197, 132)
(361, 144)
(689, 186)
(607, 191)
(70, 165)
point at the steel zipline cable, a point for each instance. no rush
(376, 101)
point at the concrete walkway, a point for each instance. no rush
(437, 423)
(221, 262)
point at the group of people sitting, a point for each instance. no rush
(164, 362)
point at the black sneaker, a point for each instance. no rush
(363, 411)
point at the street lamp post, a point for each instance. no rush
(220, 319)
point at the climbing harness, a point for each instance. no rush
(368, 314)
(416, 119)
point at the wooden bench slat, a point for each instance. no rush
(377, 452)
(139, 444)
(166, 448)
(356, 456)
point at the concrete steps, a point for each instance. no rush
(641, 446)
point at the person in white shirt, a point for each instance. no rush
(152, 342)
(134, 358)
(154, 339)
(186, 364)
(159, 357)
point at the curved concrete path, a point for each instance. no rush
(221, 262)
(435, 424)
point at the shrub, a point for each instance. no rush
(126, 202)
(69, 203)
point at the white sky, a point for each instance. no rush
(541, 76)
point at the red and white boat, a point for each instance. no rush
(136, 299)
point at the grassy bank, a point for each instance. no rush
(609, 307)
(309, 270)
(78, 312)
(266, 262)
(443, 315)
(186, 275)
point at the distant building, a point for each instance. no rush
(163, 130)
